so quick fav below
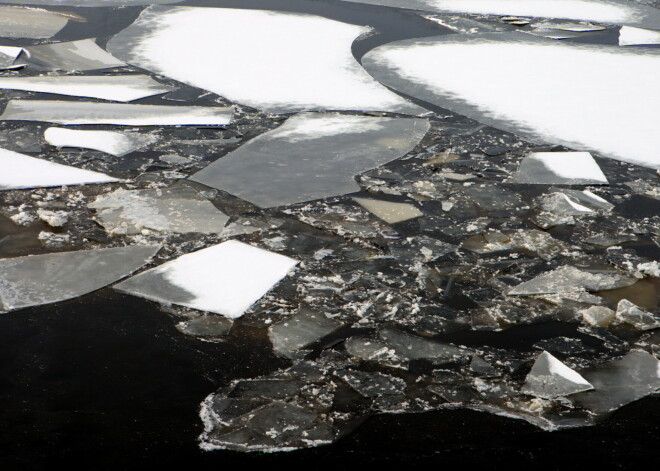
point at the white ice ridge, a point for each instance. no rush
(589, 97)
(277, 61)
(631, 36)
(111, 142)
(226, 278)
(20, 171)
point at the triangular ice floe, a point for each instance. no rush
(551, 378)
(559, 168)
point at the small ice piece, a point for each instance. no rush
(559, 168)
(304, 328)
(389, 211)
(8, 55)
(111, 142)
(372, 384)
(550, 378)
(53, 218)
(283, 48)
(79, 112)
(43, 279)
(368, 349)
(21, 171)
(416, 348)
(227, 278)
(179, 209)
(105, 87)
(90, 3)
(32, 23)
(210, 325)
(80, 55)
(567, 279)
(620, 382)
(631, 36)
(631, 314)
(311, 156)
(599, 316)
(574, 203)
(529, 240)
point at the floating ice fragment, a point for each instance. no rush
(567, 279)
(574, 203)
(33, 23)
(53, 218)
(559, 168)
(111, 142)
(178, 209)
(282, 49)
(226, 278)
(106, 87)
(8, 55)
(388, 211)
(304, 328)
(367, 349)
(539, 242)
(77, 112)
(22, 171)
(599, 316)
(631, 36)
(415, 348)
(631, 314)
(568, 101)
(311, 156)
(551, 378)
(81, 55)
(372, 384)
(43, 279)
(210, 325)
(90, 3)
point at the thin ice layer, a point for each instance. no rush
(287, 62)
(106, 87)
(311, 156)
(558, 92)
(389, 211)
(80, 55)
(567, 279)
(43, 279)
(631, 36)
(226, 278)
(559, 168)
(304, 328)
(32, 23)
(78, 112)
(550, 378)
(22, 171)
(111, 142)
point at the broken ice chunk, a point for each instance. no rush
(90, 3)
(80, 55)
(226, 278)
(415, 348)
(559, 168)
(551, 378)
(567, 279)
(78, 112)
(106, 87)
(539, 242)
(178, 209)
(367, 349)
(631, 314)
(574, 203)
(8, 55)
(110, 142)
(304, 328)
(631, 36)
(373, 384)
(32, 23)
(53, 218)
(620, 382)
(599, 316)
(205, 326)
(311, 156)
(388, 211)
(22, 171)
(43, 279)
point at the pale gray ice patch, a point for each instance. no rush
(81, 55)
(311, 156)
(551, 378)
(632, 314)
(90, 3)
(413, 347)
(111, 142)
(32, 23)
(299, 331)
(559, 168)
(568, 279)
(43, 279)
(389, 211)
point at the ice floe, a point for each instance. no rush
(631, 36)
(43, 279)
(569, 279)
(559, 168)
(32, 23)
(557, 92)
(226, 279)
(81, 55)
(90, 3)
(631, 314)
(301, 330)
(551, 378)
(311, 156)
(111, 142)
(282, 49)
(388, 211)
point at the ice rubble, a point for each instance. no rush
(120, 114)
(559, 168)
(538, 102)
(282, 49)
(81, 55)
(111, 142)
(22, 171)
(551, 378)
(311, 156)
(177, 209)
(225, 279)
(106, 87)
(631, 36)
(43, 279)
(33, 23)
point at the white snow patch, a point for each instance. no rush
(631, 36)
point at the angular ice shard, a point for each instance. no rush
(78, 112)
(551, 378)
(304, 328)
(569, 101)
(630, 36)
(575, 203)
(106, 87)
(111, 142)
(416, 348)
(210, 325)
(43, 279)
(258, 69)
(311, 156)
(539, 242)
(631, 314)
(389, 211)
(620, 382)
(178, 209)
(559, 168)
(567, 279)
(32, 23)
(90, 3)
(600, 316)
(8, 55)
(80, 55)
(601, 11)
(22, 171)
(226, 278)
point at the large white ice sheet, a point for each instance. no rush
(630, 36)
(270, 60)
(112, 142)
(226, 279)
